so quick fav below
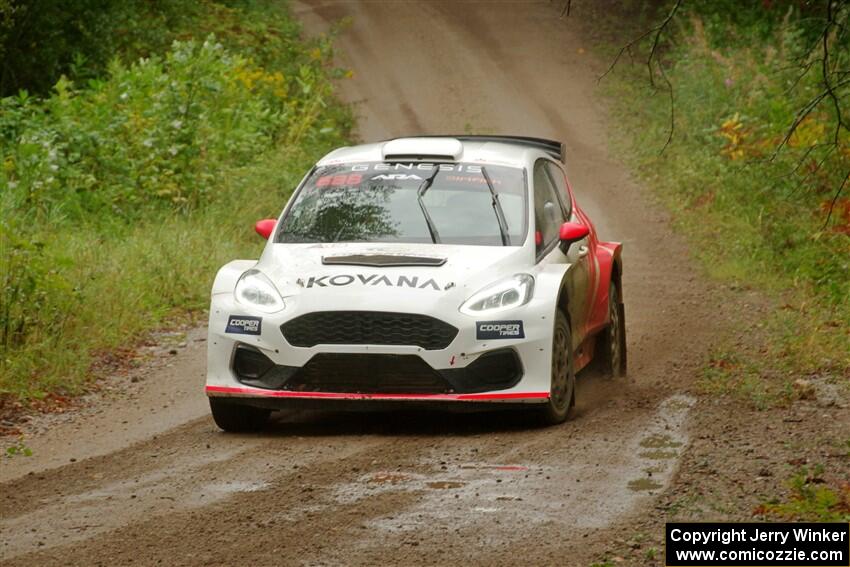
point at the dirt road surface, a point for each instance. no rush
(145, 478)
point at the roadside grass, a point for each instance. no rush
(146, 275)
(810, 498)
(754, 221)
(121, 196)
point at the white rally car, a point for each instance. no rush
(450, 270)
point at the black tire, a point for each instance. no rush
(612, 351)
(237, 418)
(563, 383)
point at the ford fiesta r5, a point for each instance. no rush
(433, 270)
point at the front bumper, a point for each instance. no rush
(462, 366)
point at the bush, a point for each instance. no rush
(121, 195)
(41, 41)
(757, 218)
(156, 133)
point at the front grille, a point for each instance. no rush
(377, 373)
(368, 374)
(368, 328)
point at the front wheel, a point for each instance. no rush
(237, 418)
(563, 385)
(613, 348)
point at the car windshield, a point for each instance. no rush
(449, 203)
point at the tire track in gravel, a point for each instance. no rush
(478, 487)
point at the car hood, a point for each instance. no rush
(409, 272)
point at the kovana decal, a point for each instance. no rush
(488, 330)
(341, 280)
(244, 325)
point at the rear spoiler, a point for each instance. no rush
(552, 147)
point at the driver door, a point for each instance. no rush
(552, 207)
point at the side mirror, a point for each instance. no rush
(572, 232)
(265, 227)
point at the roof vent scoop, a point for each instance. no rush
(441, 149)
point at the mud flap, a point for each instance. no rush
(621, 309)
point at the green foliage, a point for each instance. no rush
(733, 113)
(121, 195)
(40, 41)
(737, 23)
(35, 298)
(19, 448)
(757, 218)
(811, 499)
(157, 132)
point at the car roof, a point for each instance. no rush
(506, 150)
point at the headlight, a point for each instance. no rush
(500, 296)
(257, 291)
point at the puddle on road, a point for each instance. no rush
(587, 482)
(659, 442)
(389, 478)
(235, 486)
(665, 446)
(641, 484)
(495, 467)
(444, 484)
(658, 455)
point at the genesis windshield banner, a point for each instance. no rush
(757, 544)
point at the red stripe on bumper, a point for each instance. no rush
(239, 391)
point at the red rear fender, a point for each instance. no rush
(608, 254)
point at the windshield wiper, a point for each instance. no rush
(420, 193)
(497, 206)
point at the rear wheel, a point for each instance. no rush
(613, 348)
(563, 384)
(237, 418)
